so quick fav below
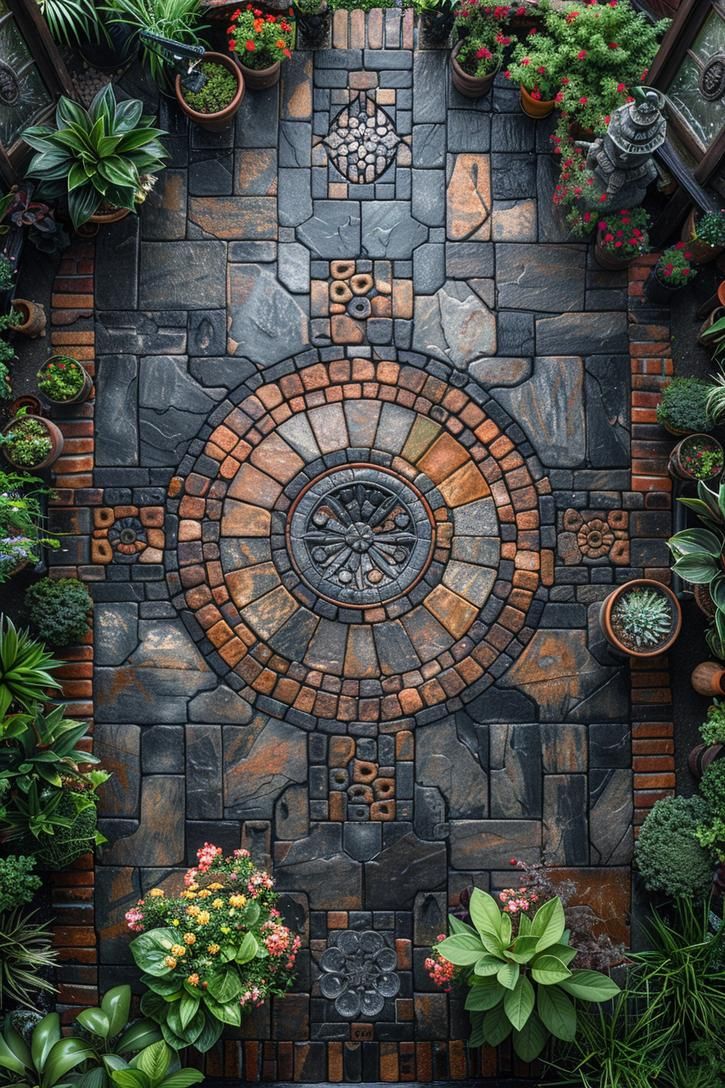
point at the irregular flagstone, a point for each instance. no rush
(265, 322)
(540, 277)
(389, 230)
(454, 325)
(582, 333)
(565, 831)
(490, 844)
(550, 408)
(610, 818)
(117, 412)
(333, 231)
(318, 866)
(399, 871)
(221, 705)
(159, 839)
(515, 771)
(501, 371)
(469, 198)
(260, 762)
(171, 406)
(175, 275)
(443, 761)
(607, 381)
(251, 218)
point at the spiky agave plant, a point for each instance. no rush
(25, 668)
(644, 616)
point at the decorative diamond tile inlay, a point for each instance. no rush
(362, 140)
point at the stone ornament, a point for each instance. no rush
(622, 158)
(358, 973)
(594, 535)
(362, 140)
(128, 534)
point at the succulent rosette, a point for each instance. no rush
(213, 952)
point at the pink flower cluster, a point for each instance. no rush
(257, 882)
(439, 969)
(253, 996)
(516, 899)
(279, 941)
(134, 917)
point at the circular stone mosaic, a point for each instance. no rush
(358, 541)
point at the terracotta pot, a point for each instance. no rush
(215, 122)
(437, 23)
(469, 86)
(260, 79)
(54, 434)
(721, 292)
(657, 291)
(33, 315)
(676, 466)
(711, 318)
(708, 678)
(701, 756)
(703, 600)
(114, 216)
(535, 107)
(605, 618)
(701, 252)
(607, 258)
(83, 393)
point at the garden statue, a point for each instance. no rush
(621, 160)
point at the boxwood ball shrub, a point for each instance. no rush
(684, 405)
(667, 853)
(18, 882)
(58, 610)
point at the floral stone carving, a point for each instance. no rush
(358, 973)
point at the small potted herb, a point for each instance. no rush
(621, 238)
(535, 66)
(683, 406)
(21, 520)
(705, 237)
(313, 19)
(436, 19)
(712, 732)
(261, 43)
(62, 380)
(31, 442)
(673, 271)
(641, 618)
(214, 105)
(697, 457)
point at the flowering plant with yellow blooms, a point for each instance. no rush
(213, 952)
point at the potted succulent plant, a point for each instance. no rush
(214, 105)
(705, 237)
(31, 442)
(712, 732)
(641, 618)
(697, 457)
(62, 380)
(261, 42)
(621, 238)
(100, 159)
(673, 271)
(683, 406)
(313, 18)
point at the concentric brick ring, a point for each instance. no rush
(317, 464)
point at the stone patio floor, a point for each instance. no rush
(298, 348)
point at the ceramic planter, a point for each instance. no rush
(260, 79)
(702, 253)
(34, 318)
(313, 25)
(467, 85)
(610, 633)
(54, 434)
(701, 756)
(711, 318)
(677, 466)
(657, 291)
(708, 678)
(83, 393)
(214, 122)
(537, 108)
(115, 215)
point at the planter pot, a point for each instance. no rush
(114, 216)
(721, 292)
(712, 317)
(84, 392)
(313, 25)
(260, 79)
(436, 24)
(54, 434)
(701, 756)
(657, 291)
(708, 678)
(537, 108)
(607, 258)
(702, 253)
(215, 122)
(677, 463)
(469, 86)
(703, 600)
(34, 318)
(610, 633)
(118, 49)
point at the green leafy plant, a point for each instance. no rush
(217, 92)
(10, 320)
(712, 729)
(7, 274)
(536, 66)
(61, 378)
(25, 669)
(260, 41)
(711, 832)
(667, 853)
(21, 522)
(716, 396)
(7, 356)
(71, 22)
(97, 157)
(179, 20)
(212, 953)
(110, 1036)
(47, 1060)
(25, 952)
(713, 338)
(697, 553)
(520, 985)
(18, 881)
(674, 266)
(710, 229)
(27, 441)
(58, 610)
(157, 1066)
(642, 617)
(684, 405)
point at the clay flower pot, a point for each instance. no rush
(606, 257)
(702, 253)
(678, 462)
(260, 79)
(701, 756)
(537, 108)
(609, 628)
(708, 678)
(467, 85)
(215, 122)
(83, 393)
(56, 438)
(657, 291)
(34, 318)
(114, 215)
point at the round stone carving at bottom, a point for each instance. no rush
(360, 535)
(358, 973)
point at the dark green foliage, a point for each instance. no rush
(25, 952)
(360, 5)
(684, 405)
(58, 610)
(7, 274)
(18, 882)
(217, 92)
(667, 853)
(712, 787)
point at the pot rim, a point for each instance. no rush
(611, 599)
(223, 61)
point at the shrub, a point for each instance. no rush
(25, 669)
(684, 405)
(7, 274)
(28, 441)
(712, 787)
(667, 853)
(18, 882)
(217, 92)
(58, 610)
(25, 951)
(674, 266)
(712, 729)
(710, 229)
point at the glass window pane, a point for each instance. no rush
(23, 94)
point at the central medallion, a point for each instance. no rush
(360, 535)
